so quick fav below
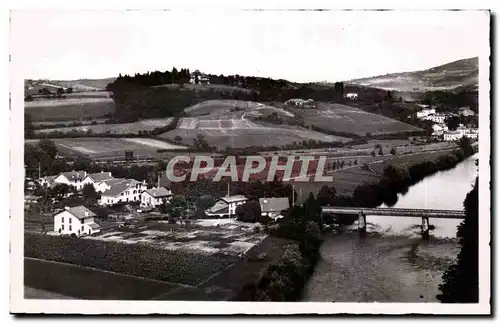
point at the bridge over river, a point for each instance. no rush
(425, 214)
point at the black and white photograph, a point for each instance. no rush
(250, 161)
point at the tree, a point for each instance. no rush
(88, 191)
(249, 212)
(373, 153)
(326, 195)
(60, 190)
(393, 151)
(461, 280)
(452, 122)
(29, 129)
(48, 147)
(69, 90)
(466, 146)
(177, 139)
(380, 151)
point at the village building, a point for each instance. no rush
(309, 103)
(47, 181)
(226, 206)
(96, 178)
(155, 197)
(273, 207)
(198, 78)
(352, 96)
(437, 118)
(466, 111)
(76, 220)
(425, 112)
(125, 191)
(461, 131)
(72, 178)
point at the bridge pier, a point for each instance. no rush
(362, 223)
(425, 227)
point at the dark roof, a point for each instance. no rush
(158, 192)
(120, 187)
(100, 176)
(93, 225)
(80, 212)
(234, 198)
(74, 175)
(274, 204)
(220, 211)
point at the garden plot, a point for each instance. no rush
(211, 237)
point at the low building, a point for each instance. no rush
(72, 178)
(198, 78)
(439, 128)
(437, 118)
(425, 112)
(76, 220)
(96, 178)
(226, 206)
(273, 207)
(352, 96)
(47, 181)
(155, 197)
(466, 111)
(128, 190)
(309, 103)
(471, 133)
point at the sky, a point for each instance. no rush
(302, 46)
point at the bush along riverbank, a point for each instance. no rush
(285, 279)
(398, 178)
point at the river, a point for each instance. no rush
(392, 263)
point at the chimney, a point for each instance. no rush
(86, 213)
(66, 207)
(110, 174)
(102, 171)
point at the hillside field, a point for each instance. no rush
(69, 108)
(345, 119)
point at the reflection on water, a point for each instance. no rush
(392, 263)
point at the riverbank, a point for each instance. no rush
(392, 263)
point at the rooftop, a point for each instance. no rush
(80, 212)
(120, 187)
(100, 176)
(274, 204)
(159, 192)
(74, 174)
(234, 198)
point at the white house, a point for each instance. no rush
(437, 118)
(425, 112)
(273, 207)
(452, 136)
(47, 181)
(471, 133)
(107, 184)
(72, 178)
(128, 190)
(155, 196)
(75, 220)
(226, 206)
(466, 111)
(352, 95)
(439, 129)
(96, 178)
(198, 78)
(300, 102)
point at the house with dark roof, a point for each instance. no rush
(124, 191)
(96, 178)
(273, 207)
(226, 206)
(155, 196)
(76, 220)
(197, 77)
(71, 178)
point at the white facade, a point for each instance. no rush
(155, 197)
(202, 78)
(74, 179)
(439, 127)
(96, 178)
(226, 206)
(352, 95)
(123, 192)
(471, 133)
(67, 223)
(425, 112)
(466, 111)
(437, 118)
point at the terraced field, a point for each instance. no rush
(226, 123)
(69, 108)
(127, 128)
(341, 118)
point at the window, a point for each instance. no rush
(62, 226)
(70, 228)
(62, 219)
(82, 229)
(70, 220)
(82, 221)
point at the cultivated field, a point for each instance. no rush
(110, 148)
(127, 128)
(341, 118)
(226, 123)
(69, 108)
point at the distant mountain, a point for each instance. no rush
(461, 74)
(81, 85)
